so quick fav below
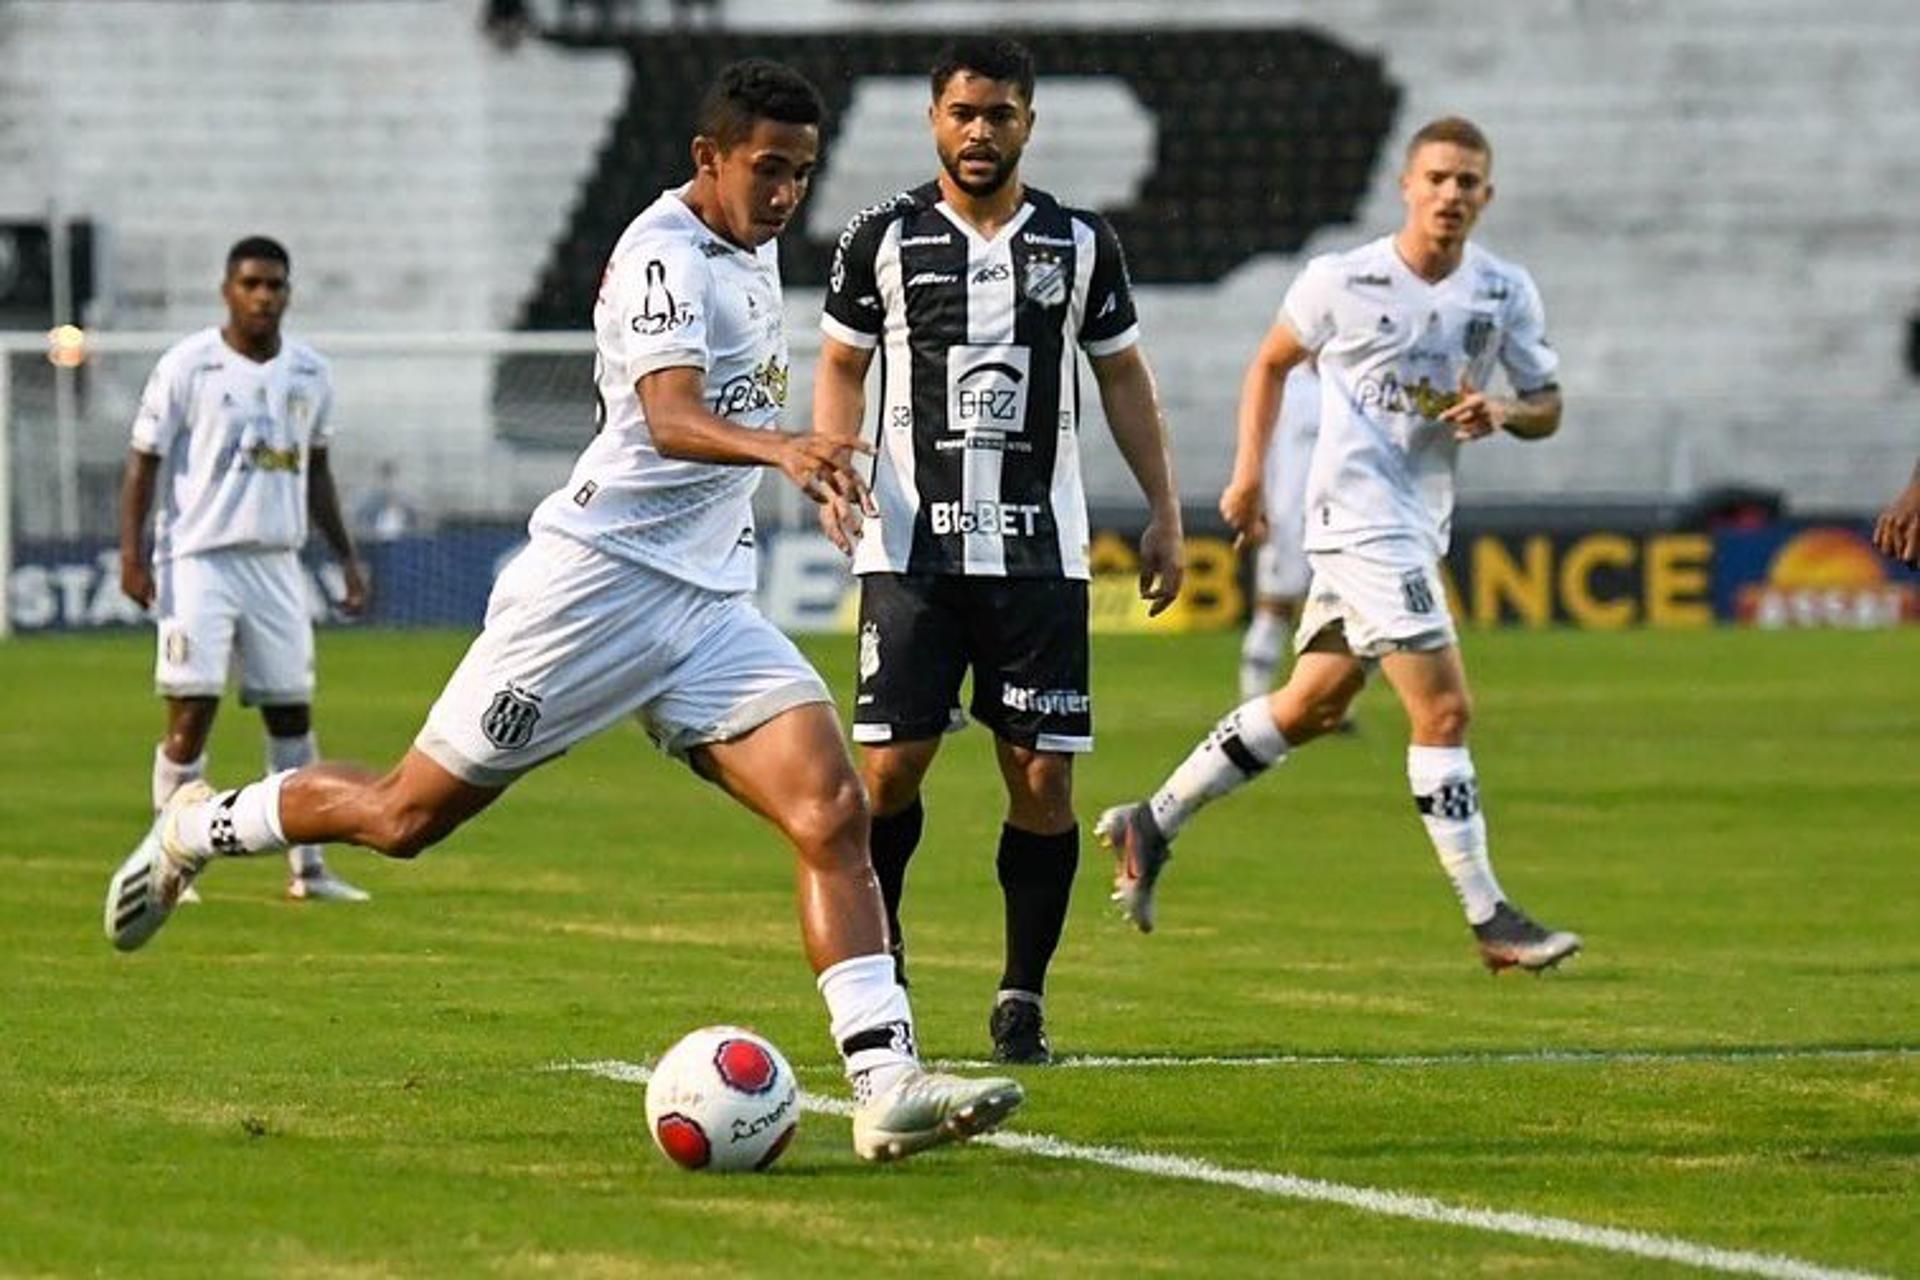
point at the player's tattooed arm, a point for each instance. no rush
(839, 402)
(136, 499)
(1132, 405)
(1897, 532)
(1532, 415)
(323, 504)
(683, 427)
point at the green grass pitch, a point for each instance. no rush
(272, 1089)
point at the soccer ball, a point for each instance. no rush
(723, 1100)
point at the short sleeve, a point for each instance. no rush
(163, 406)
(1308, 306)
(659, 295)
(853, 312)
(1110, 324)
(1529, 359)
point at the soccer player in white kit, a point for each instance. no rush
(634, 597)
(1280, 569)
(1406, 330)
(233, 433)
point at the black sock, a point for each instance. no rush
(894, 839)
(1036, 876)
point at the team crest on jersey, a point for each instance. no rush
(510, 717)
(1044, 279)
(869, 651)
(1479, 333)
(299, 411)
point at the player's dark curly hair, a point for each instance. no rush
(996, 59)
(259, 248)
(755, 89)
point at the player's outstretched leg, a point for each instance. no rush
(1248, 741)
(293, 746)
(1245, 744)
(793, 770)
(399, 814)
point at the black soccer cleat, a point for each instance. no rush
(1510, 938)
(1019, 1033)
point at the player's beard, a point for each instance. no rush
(1003, 171)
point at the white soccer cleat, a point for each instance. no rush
(1140, 853)
(324, 886)
(927, 1108)
(148, 885)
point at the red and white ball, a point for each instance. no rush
(723, 1100)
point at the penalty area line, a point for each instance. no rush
(1390, 1204)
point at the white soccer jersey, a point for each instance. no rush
(675, 295)
(1392, 349)
(232, 435)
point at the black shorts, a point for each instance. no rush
(1024, 638)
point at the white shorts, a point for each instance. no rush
(1386, 596)
(234, 610)
(575, 639)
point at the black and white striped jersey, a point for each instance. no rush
(977, 454)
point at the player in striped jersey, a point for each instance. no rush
(978, 293)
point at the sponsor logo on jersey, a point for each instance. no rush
(1057, 242)
(509, 719)
(1389, 395)
(1370, 280)
(920, 242)
(1046, 702)
(264, 457)
(925, 278)
(755, 391)
(837, 275)
(992, 273)
(987, 388)
(1004, 519)
(1045, 279)
(660, 311)
(869, 651)
(714, 249)
(584, 494)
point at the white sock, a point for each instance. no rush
(284, 754)
(169, 777)
(1448, 797)
(1240, 748)
(235, 823)
(1260, 652)
(871, 1022)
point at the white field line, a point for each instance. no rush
(1392, 1204)
(1543, 1056)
